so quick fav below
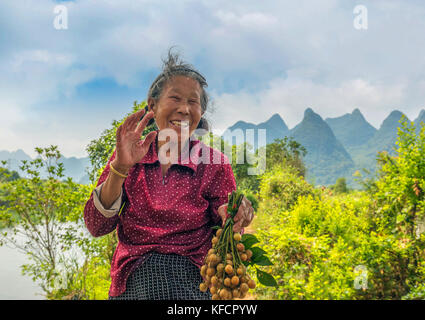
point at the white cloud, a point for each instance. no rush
(291, 96)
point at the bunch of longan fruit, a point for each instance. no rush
(224, 271)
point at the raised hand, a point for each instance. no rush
(130, 148)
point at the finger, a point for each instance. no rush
(237, 226)
(134, 119)
(249, 203)
(222, 212)
(240, 213)
(142, 124)
(137, 117)
(251, 214)
(245, 203)
(119, 130)
(125, 126)
(249, 218)
(148, 140)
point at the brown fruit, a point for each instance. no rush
(251, 284)
(244, 257)
(227, 282)
(230, 295)
(229, 256)
(219, 231)
(211, 251)
(237, 236)
(210, 272)
(241, 270)
(230, 262)
(235, 280)
(213, 290)
(243, 295)
(240, 247)
(214, 240)
(212, 258)
(244, 287)
(214, 280)
(223, 293)
(236, 293)
(204, 270)
(249, 253)
(203, 287)
(220, 282)
(215, 297)
(229, 269)
(220, 267)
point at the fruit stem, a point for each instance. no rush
(227, 242)
(233, 249)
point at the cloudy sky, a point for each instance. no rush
(65, 86)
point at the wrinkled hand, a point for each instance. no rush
(130, 148)
(243, 217)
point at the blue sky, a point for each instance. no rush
(64, 87)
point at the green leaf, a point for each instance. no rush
(262, 261)
(257, 253)
(266, 279)
(215, 227)
(249, 240)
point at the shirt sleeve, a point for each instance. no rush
(97, 222)
(113, 210)
(222, 183)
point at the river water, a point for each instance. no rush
(14, 285)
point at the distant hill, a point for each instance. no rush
(336, 147)
(275, 128)
(351, 129)
(383, 140)
(74, 167)
(420, 120)
(326, 157)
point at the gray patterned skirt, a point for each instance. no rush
(164, 277)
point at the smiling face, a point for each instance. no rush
(179, 106)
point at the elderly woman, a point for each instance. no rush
(163, 212)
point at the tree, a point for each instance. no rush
(288, 152)
(7, 175)
(43, 219)
(340, 185)
(400, 203)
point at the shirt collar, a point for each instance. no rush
(191, 162)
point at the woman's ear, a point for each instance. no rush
(150, 104)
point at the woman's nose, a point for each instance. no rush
(183, 108)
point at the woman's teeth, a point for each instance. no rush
(180, 123)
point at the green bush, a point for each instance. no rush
(362, 245)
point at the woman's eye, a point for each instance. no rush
(174, 97)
